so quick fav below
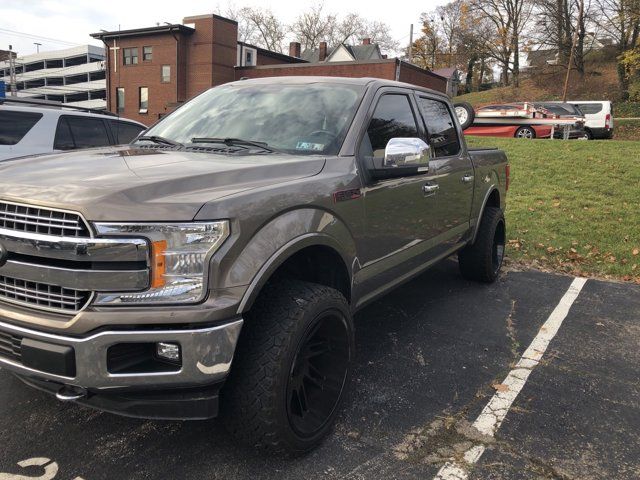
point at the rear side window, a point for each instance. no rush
(63, 139)
(393, 118)
(124, 132)
(80, 132)
(441, 128)
(15, 125)
(590, 108)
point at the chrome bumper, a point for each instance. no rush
(206, 356)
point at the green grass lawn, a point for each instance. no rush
(573, 206)
(626, 129)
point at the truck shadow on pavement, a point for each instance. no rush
(429, 349)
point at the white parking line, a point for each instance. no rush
(496, 410)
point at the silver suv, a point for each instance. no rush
(34, 127)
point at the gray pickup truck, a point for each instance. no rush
(215, 264)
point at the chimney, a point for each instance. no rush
(323, 51)
(294, 49)
(366, 41)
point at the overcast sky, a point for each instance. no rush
(65, 23)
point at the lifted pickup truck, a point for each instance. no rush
(217, 261)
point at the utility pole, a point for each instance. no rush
(12, 72)
(37, 46)
(571, 54)
(411, 44)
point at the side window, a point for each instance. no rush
(63, 139)
(15, 125)
(392, 118)
(441, 128)
(88, 132)
(124, 132)
(590, 108)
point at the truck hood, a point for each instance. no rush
(132, 184)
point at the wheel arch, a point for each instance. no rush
(312, 257)
(316, 237)
(491, 199)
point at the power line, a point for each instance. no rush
(39, 37)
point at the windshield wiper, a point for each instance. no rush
(160, 140)
(232, 142)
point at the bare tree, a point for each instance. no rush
(558, 22)
(509, 18)
(352, 28)
(268, 30)
(621, 20)
(427, 49)
(313, 26)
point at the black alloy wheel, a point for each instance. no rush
(318, 374)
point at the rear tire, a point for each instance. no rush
(465, 113)
(292, 368)
(525, 132)
(482, 260)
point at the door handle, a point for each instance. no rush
(430, 188)
(467, 179)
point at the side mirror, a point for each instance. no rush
(405, 152)
(403, 157)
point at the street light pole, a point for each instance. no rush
(37, 46)
(573, 48)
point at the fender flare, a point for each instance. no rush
(490, 190)
(284, 253)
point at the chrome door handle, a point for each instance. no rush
(430, 188)
(467, 179)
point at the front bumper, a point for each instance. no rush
(206, 356)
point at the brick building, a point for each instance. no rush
(152, 70)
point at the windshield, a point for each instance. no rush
(302, 119)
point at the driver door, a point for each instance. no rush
(399, 212)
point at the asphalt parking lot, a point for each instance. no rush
(430, 357)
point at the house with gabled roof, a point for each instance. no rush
(344, 53)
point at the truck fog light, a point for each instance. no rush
(168, 351)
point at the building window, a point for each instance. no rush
(248, 59)
(130, 56)
(144, 99)
(147, 54)
(120, 99)
(166, 73)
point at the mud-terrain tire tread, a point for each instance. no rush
(249, 403)
(475, 260)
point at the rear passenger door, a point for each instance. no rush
(453, 169)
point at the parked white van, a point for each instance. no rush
(598, 118)
(34, 127)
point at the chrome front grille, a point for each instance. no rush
(42, 296)
(10, 346)
(25, 218)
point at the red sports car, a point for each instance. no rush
(502, 129)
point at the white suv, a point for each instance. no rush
(598, 117)
(30, 128)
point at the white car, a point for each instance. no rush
(598, 118)
(30, 128)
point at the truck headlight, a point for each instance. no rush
(179, 260)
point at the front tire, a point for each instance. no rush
(482, 260)
(292, 368)
(525, 132)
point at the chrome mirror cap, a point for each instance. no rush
(401, 152)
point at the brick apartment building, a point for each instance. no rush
(152, 70)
